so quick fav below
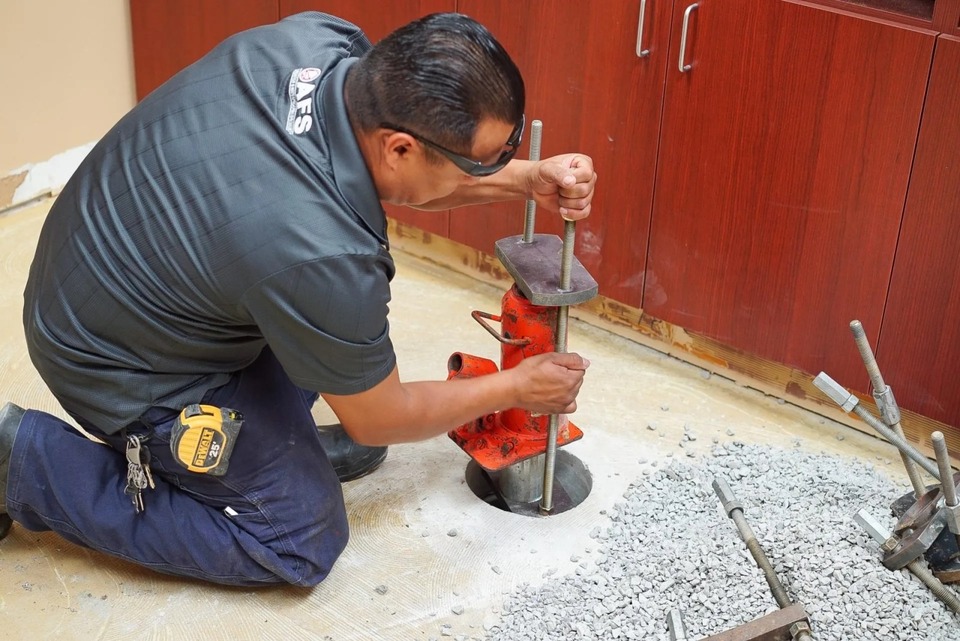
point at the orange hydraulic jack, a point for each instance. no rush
(533, 320)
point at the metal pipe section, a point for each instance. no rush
(886, 403)
(850, 403)
(536, 135)
(887, 542)
(563, 313)
(521, 482)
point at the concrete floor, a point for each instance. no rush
(402, 516)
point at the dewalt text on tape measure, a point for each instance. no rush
(203, 437)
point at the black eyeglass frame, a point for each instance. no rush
(464, 164)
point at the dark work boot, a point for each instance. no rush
(10, 417)
(350, 460)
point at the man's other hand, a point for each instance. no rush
(549, 383)
(564, 185)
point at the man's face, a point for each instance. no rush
(424, 181)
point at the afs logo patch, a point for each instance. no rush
(309, 74)
(300, 92)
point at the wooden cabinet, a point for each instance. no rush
(931, 14)
(377, 19)
(168, 35)
(785, 154)
(948, 17)
(919, 349)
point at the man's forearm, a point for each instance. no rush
(408, 412)
(394, 412)
(507, 184)
(436, 407)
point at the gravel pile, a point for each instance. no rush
(669, 545)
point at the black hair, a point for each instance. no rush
(438, 76)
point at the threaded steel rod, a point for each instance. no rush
(553, 427)
(560, 346)
(566, 261)
(746, 533)
(899, 441)
(734, 510)
(942, 592)
(866, 353)
(850, 403)
(881, 392)
(536, 135)
(943, 464)
(946, 480)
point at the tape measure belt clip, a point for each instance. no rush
(203, 437)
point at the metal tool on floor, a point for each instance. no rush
(886, 403)
(889, 542)
(929, 527)
(792, 622)
(788, 623)
(929, 524)
(517, 449)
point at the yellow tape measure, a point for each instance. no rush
(203, 437)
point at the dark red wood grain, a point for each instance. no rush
(947, 17)
(919, 350)
(169, 35)
(377, 19)
(784, 161)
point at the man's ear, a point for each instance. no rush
(397, 147)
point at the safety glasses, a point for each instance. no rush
(466, 165)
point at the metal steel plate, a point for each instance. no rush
(535, 266)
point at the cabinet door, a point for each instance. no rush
(169, 35)
(377, 19)
(919, 350)
(594, 95)
(947, 17)
(785, 155)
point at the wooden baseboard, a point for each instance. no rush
(764, 375)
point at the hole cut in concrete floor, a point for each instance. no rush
(424, 552)
(572, 483)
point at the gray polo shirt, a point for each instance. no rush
(228, 211)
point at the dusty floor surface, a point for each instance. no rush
(402, 517)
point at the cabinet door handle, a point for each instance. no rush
(683, 37)
(641, 52)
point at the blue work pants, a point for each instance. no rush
(276, 516)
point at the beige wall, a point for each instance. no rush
(66, 75)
